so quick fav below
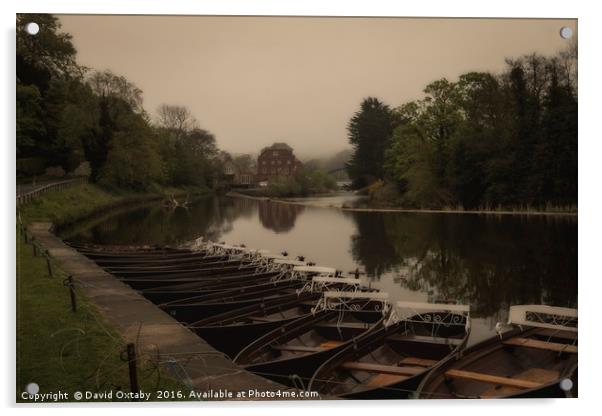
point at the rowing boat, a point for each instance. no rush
(529, 360)
(390, 362)
(292, 352)
(233, 331)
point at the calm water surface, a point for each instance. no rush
(488, 261)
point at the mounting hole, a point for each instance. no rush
(566, 384)
(566, 32)
(32, 28)
(32, 388)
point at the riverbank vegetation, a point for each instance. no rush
(304, 182)
(485, 141)
(71, 204)
(67, 351)
(68, 114)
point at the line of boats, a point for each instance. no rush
(317, 329)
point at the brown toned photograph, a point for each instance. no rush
(289, 208)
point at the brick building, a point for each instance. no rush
(276, 160)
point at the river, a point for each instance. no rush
(488, 261)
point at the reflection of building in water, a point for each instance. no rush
(278, 217)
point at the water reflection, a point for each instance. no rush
(278, 217)
(490, 262)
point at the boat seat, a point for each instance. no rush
(425, 339)
(491, 379)
(263, 319)
(420, 362)
(383, 369)
(330, 344)
(384, 380)
(540, 375)
(542, 345)
(296, 348)
(360, 325)
(554, 333)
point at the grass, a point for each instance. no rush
(65, 351)
(71, 204)
(56, 348)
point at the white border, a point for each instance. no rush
(590, 200)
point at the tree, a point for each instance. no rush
(111, 87)
(133, 160)
(119, 105)
(30, 127)
(48, 54)
(369, 132)
(488, 141)
(177, 120)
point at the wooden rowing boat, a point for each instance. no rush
(296, 349)
(211, 269)
(232, 331)
(390, 362)
(142, 283)
(171, 293)
(530, 360)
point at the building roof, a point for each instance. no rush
(277, 146)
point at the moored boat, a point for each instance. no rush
(390, 362)
(232, 331)
(292, 352)
(532, 359)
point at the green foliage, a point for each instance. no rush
(30, 126)
(49, 54)
(65, 117)
(369, 133)
(133, 161)
(305, 181)
(191, 158)
(489, 141)
(31, 166)
(66, 351)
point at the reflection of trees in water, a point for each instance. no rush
(153, 224)
(370, 247)
(278, 217)
(491, 262)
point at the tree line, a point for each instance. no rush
(484, 141)
(67, 114)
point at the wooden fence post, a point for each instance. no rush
(131, 353)
(69, 282)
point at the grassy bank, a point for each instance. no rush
(65, 351)
(56, 348)
(72, 204)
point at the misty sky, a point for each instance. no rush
(255, 80)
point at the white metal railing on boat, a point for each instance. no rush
(544, 316)
(334, 300)
(322, 283)
(325, 271)
(436, 313)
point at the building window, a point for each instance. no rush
(288, 162)
(275, 153)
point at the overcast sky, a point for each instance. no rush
(255, 80)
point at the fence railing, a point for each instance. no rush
(28, 196)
